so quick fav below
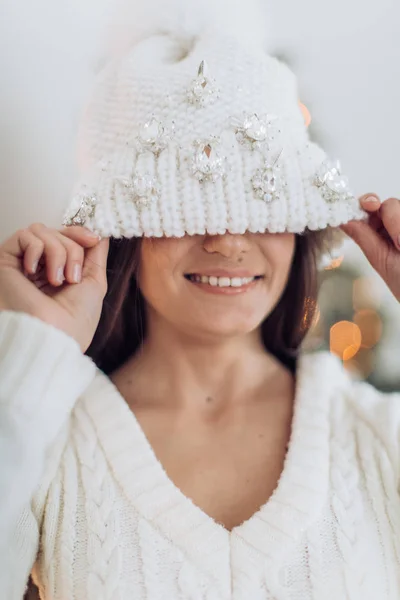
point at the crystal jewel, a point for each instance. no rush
(207, 162)
(142, 188)
(332, 184)
(87, 206)
(255, 132)
(203, 90)
(267, 182)
(153, 137)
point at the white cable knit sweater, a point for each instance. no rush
(85, 502)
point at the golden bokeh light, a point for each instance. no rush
(335, 263)
(311, 313)
(362, 364)
(370, 325)
(345, 339)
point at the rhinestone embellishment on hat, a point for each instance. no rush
(153, 137)
(207, 162)
(332, 184)
(142, 189)
(203, 90)
(255, 132)
(88, 203)
(267, 183)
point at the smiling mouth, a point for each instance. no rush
(225, 282)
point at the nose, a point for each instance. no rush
(228, 244)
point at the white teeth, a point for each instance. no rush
(236, 282)
(222, 281)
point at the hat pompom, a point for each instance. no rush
(197, 129)
(135, 20)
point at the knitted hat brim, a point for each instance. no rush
(184, 205)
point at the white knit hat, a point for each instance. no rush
(196, 129)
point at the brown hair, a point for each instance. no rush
(122, 325)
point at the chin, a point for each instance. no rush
(228, 325)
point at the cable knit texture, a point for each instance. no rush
(104, 521)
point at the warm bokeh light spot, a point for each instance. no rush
(311, 313)
(370, 325)
(345, 339)
(306, 113)
(361, 365)
(336, 262)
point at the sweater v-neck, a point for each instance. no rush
(273, 529)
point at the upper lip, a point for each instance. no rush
(224, 273)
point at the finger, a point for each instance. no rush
(31, 249)
(74, 240)
(77, 238)
(390, 215)
(74, 260)
(369, 240)
(370, 202)
(81, 235)
(375, 222)
(54, 252)
(95, 264)
(12, 247)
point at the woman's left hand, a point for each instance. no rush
(379, 238)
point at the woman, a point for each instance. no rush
(165, 436)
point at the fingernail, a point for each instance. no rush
(60, 274)
(373, 199)
(77, 273)
(35, 266)
(93, 234)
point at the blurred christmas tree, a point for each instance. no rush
(358, 319)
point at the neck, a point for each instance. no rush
(182, 371)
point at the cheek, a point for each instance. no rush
(159, 269)
(154, 265)
(280, 250)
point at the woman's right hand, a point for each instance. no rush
(71, 305)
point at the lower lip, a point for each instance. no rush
(225, 291)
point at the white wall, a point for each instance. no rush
(347, 58)
(48, 52)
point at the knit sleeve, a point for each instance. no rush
(381, 410)
(42, 374)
